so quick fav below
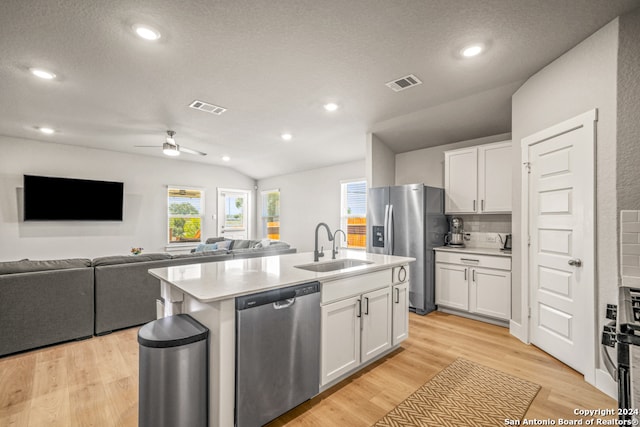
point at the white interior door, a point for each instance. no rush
(562, 240)
(233, 214)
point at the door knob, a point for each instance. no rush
(577, 262)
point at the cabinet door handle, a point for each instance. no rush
(366, 310)
(473, 275)
(482, 205)
(397, 295)
(359, 308)
(474, 205)
(465, 274)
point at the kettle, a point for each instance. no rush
(506, 243)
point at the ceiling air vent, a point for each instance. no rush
(404, 83)
(207, 108)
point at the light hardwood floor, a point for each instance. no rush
(94, 382)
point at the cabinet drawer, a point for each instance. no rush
(474, 260)
(343, 288)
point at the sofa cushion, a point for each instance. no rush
(214, 240)
(126, 259)
(279, 245)
(243, 244)
(27, 266)
(200, 254)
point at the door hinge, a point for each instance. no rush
(529, 313)
(529, 240)
(528, 166)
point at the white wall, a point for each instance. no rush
(145, 180)
(427, 165)
(380, 163)
(310, 197)
(582, 79)
(628, 152)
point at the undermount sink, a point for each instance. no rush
(339, 264)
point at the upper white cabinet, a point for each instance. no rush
(461, 180)
(478, 179)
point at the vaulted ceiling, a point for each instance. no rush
(273, 65)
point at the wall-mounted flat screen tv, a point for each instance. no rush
(66, 199)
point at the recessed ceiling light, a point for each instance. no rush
(146, 32)
(43, 74)
(331, 106)
(472, 50)
(46, 130)
(287, 136)
(226, 158)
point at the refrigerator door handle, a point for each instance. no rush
(386, 230)
(391, 231)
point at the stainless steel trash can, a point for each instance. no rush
(174, 373)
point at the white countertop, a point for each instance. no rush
(214, 281)
(479, 251)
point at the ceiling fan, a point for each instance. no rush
(171, 148)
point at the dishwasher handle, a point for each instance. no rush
(285, 303)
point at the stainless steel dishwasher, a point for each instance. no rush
(277, 352)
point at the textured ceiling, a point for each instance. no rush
(273, 64)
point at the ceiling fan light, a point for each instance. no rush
(170, 150)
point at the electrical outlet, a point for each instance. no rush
(491, 238)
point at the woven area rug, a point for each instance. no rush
(464, 394)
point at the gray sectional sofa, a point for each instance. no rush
(48, 302)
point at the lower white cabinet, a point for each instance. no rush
(490, 292)
(354, 331)
(476, 284)
(340, 345)
(452, 286)
(400, 310)
(357, 329)
(376, 323)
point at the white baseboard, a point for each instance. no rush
(518, 331)
(606, 384)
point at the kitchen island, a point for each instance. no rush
(350, 340)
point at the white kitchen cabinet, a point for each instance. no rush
(490, 292)
(400, 310)
(477, 284)
(340, 345)
(494, 177)
(461, 180)
(478, 179)
(452, 286)
(376, 323)
(360, 320)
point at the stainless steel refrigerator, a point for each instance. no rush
(409, 220)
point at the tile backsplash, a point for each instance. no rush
(483, 230)
(630, 248)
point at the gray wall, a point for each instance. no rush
(582, 79)
(628, 152)
(310, 197)
(145, 218)
(427, 165)
(380, 163)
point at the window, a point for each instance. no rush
(271, 214)
(185, 212)
(353, 217)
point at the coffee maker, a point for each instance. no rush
(455, 236)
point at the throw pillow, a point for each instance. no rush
(204, 247)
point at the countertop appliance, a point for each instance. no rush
(628, 352)
(455, 236)
(507, 243)
(277, 352)
(408, 220)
